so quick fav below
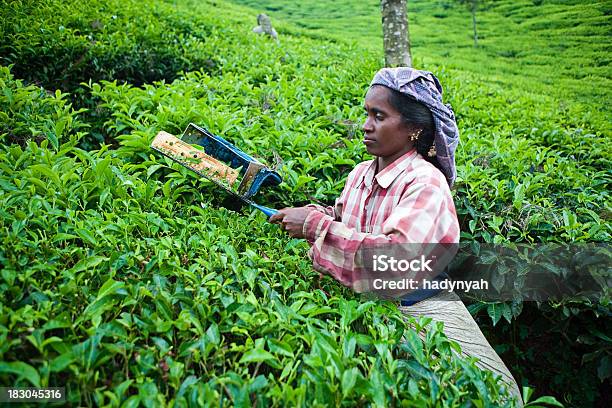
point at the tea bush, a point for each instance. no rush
(149, 295)
(123, 279)
(59, 44)
(31, 112)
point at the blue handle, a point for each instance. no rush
(266, 210)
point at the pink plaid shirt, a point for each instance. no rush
(407, 202)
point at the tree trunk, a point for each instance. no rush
(474, 5)
(396, 39)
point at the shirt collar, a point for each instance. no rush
(389, 173)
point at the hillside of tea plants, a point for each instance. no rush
(551, 47)
(124, 278)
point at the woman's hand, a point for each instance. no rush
(292, 220)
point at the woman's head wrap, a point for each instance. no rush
(425, 88)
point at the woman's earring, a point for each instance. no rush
(415, 136)
(432, 151)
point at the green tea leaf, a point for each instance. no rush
(21, 370)
(256, 355)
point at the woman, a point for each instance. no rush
(401, 197)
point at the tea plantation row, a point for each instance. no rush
(128, 287)
(551, 47)
(123, 280)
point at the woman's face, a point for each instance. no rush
(385, 134)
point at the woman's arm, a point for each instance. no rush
(293, 219)
(424, 215)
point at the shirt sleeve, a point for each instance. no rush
(334, 212)
(329, 210)
(423, 215)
